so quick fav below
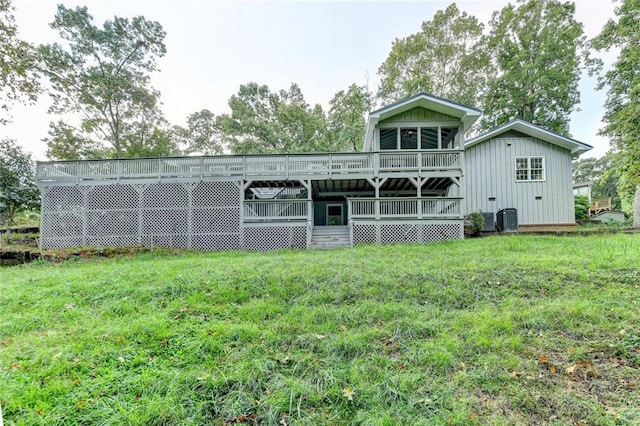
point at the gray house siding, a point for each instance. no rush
(491, 182)
(419, 114)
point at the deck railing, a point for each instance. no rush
(275, 210)
(416, 208)
(251, 166)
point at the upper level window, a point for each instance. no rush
(409, 138)
(389, 138)
(428, 138)
(417, 138)
(529, 169)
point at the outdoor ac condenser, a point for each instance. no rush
(489, 222)
(507, 220)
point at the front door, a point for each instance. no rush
(334, 214)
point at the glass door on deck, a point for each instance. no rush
(334, 214)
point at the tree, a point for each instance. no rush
(102, 76)
(266, 122)
(622, 105)
(446, 58)
(149, 139)
(346, 121)
(18, 191)
(18, 75)
(581, 207)
(604, 174)
(203, 134)
(537, 50)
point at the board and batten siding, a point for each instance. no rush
(490, 173)
(418, 114)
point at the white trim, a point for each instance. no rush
(529, 169)
(529, 129)
(418, 126)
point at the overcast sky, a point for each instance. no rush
(213, 47)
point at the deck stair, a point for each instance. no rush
(329, 237)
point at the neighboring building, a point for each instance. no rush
(523, 166)
(583, 188)
(610, 216)
(407, 186)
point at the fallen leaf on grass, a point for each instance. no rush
(472, 416)
(571, 369)
(348, 393)
(553, 369)
(544, 358)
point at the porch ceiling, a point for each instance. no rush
(350, 185)
(275, 184)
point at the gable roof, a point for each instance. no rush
(466, 114)
(530, 129)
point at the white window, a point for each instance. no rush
(422, 138)
(529, 169)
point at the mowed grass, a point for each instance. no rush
(492, 331)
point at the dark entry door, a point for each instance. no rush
(334, 214)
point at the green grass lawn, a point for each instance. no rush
(491, 331)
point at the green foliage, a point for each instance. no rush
(346, 119)
(18, 74)
(581, 207)
(446, 58)
(262, 121)
(18, 191)
(203, 134)
(475, 222)
(399, 334)
(622, 107)
(102, 75)
(537, 49)
(604, 173)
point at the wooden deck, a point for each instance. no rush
(436, 163)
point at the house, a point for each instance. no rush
(609, 216)
(525, 167)
(583, 188)
(414, 182)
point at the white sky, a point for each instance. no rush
(215, 46)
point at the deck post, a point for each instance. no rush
(191, 188)
(463, 189)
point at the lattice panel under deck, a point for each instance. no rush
(364, 234)
(113, 197)
(215, 194)
(61, 229)
(165, 195)
(216, 220)
(403, 233)
(58, 198)
(442, 231)
(112, 216)
(273, 237)
(411, 232)
(118, 222)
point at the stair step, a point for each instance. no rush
(330, 237)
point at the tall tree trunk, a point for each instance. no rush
(636, 208)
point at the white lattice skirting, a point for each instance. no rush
(387, 232)
(198, 215)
